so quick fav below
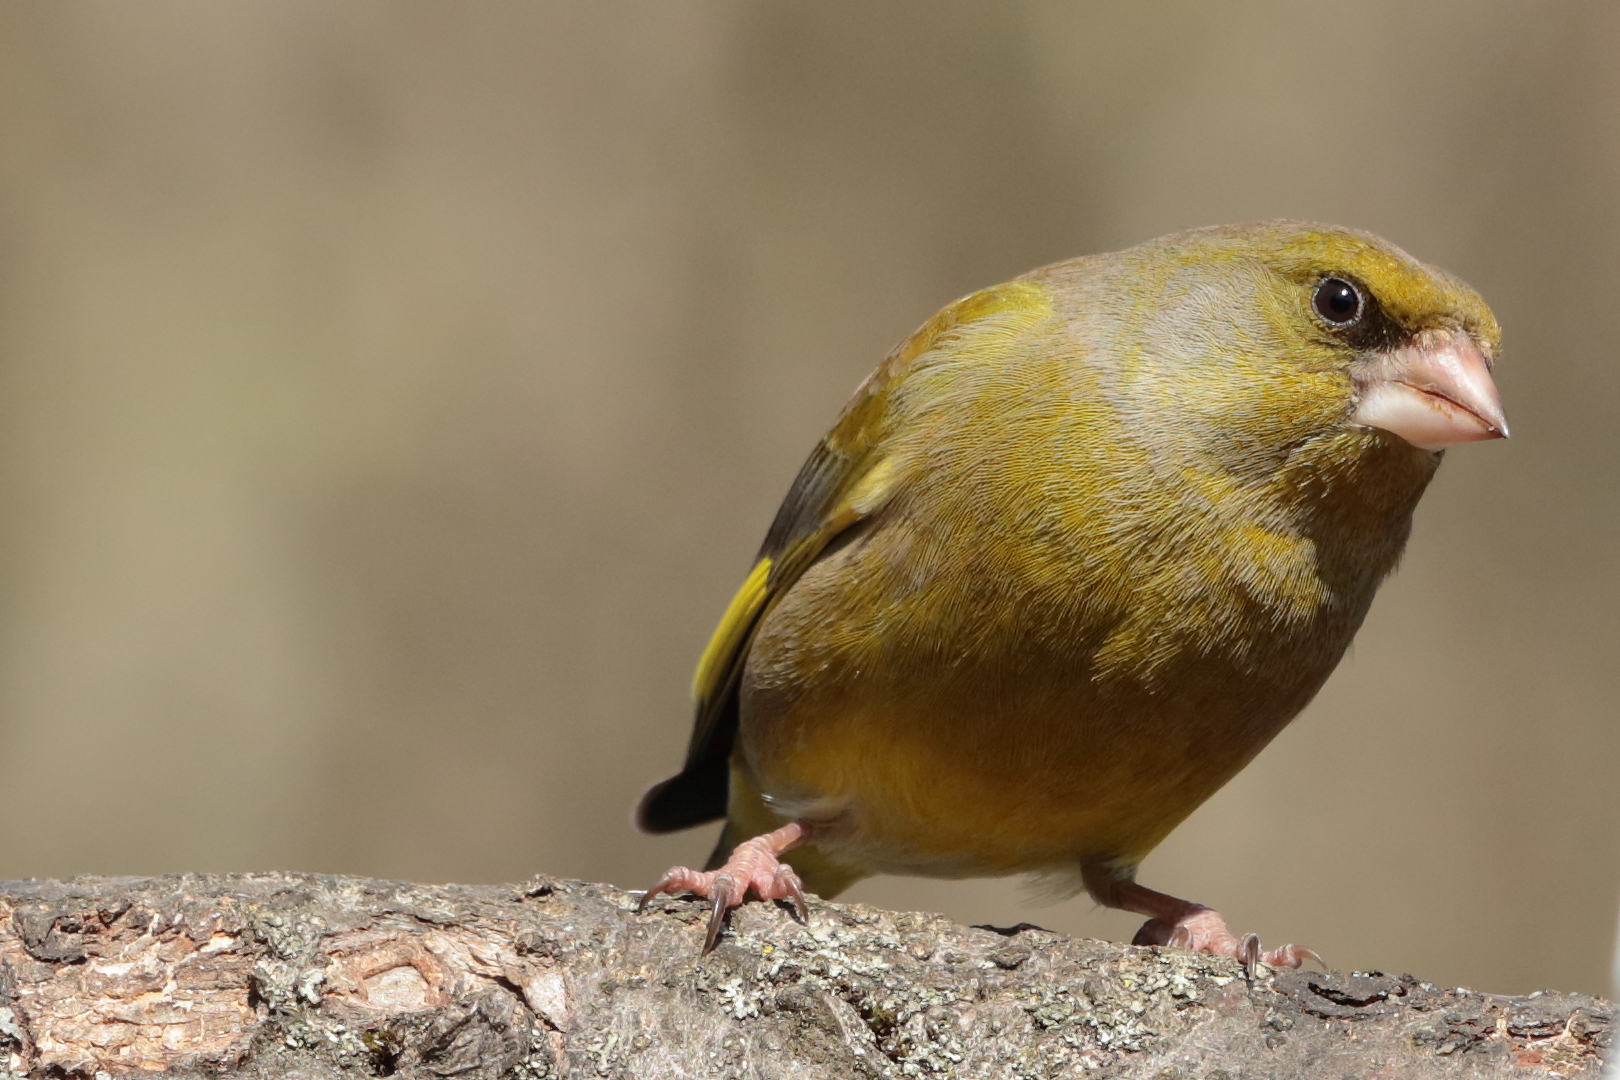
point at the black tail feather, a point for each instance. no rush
(694, 796)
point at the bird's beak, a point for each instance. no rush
(1434, 391)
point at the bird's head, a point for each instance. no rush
(1280, 334)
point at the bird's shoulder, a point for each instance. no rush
(857, 467)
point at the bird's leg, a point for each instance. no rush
(753, 865)
(1182, 924)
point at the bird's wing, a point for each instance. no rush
(846, 480)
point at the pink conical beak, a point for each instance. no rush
(1434, 392)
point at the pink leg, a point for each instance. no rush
(1181, 924)
(753, 865)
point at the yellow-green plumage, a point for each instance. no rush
(1075, 552)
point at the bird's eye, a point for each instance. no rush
(1337, 301)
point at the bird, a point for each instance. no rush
(1071, 556)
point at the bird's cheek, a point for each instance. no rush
(1435, 391)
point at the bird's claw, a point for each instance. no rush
(753, 867)
(1292, 956)
(666, 884)
(722, 902)
(789, 887)
(1203, 930)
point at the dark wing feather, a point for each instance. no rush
(807, 520)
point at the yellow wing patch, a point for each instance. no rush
(727, 641)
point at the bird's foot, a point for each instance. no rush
(1182, 924)
(753, 866)
(1203, 930)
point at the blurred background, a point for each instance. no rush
(392, 394)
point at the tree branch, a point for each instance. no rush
(275, 975)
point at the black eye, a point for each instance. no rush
(1337, 301)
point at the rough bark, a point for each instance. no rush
(283, 975)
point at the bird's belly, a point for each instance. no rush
(962, 784)
(965, 722)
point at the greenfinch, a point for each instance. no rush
(1073, 554)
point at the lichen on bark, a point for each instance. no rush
(287, 975)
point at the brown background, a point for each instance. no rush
(392, 393)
